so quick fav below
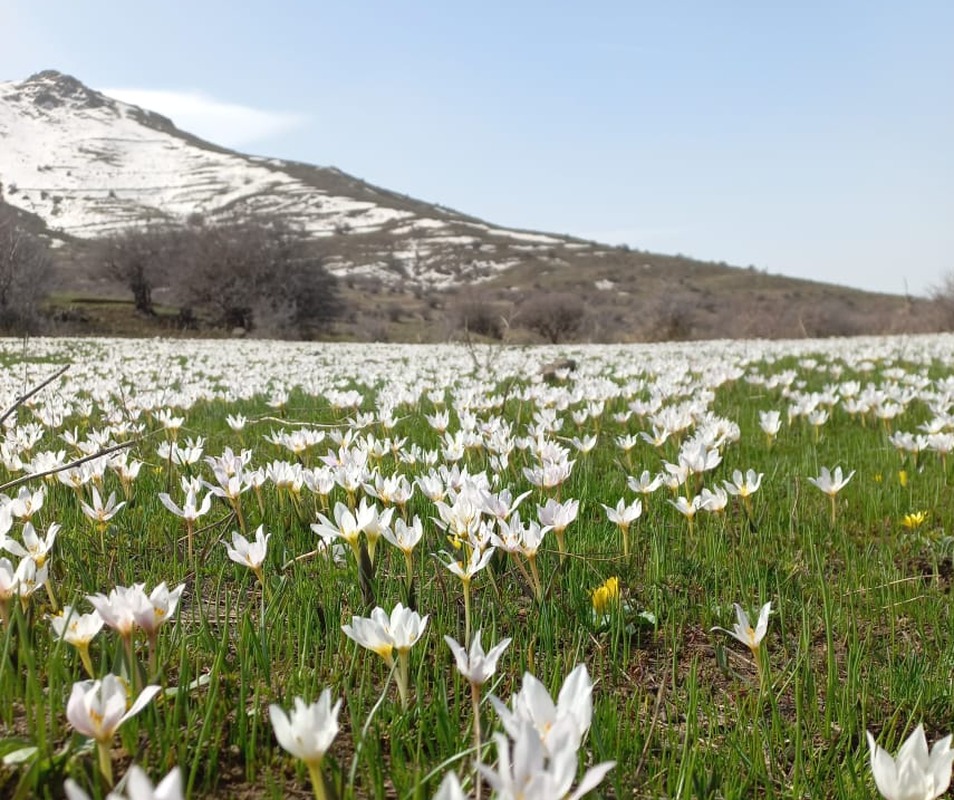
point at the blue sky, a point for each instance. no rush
(812, 139)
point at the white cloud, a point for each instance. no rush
(226, 124)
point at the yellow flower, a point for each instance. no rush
(878, 477)
(915, 520)
(605, 596)
(903, 478)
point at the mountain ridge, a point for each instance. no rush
(89, 165)
(82, 165)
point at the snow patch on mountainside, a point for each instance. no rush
(90, 165)
(90, 169)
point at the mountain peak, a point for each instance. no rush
(51, 89)
(89, 165)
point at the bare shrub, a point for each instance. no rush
(942, 297)
(141, 259)
(556, 316)
(259, 274)
(473, 312)
(26, 274)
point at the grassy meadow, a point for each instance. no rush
(296, 438)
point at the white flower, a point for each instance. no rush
(157, 608)
(687, 508)
(97, 708)
(347, 526)
(831, 483)
(713, 501)
(76, 629)
(33, 546)
(249, 554)
(646, 483)
(558, 515)
(770, 422)
(477, 561)
(566, 720)
(137, 787)
(623, 514)
(915, 774)
(100, 513)
(405, 537)
(120, 607)
(529, 771)
(477, 666)
(743, 630)
(309, 731)
(744, 485)
(191, 509)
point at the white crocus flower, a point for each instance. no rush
(308, 733)
(97, 708)
(566, 720)
(249, 553)
(916, 773)
(745, 633)
(831, 482)
(33, 546)
(476, 665)
(136, 786)
(528, 771)
(384, 634)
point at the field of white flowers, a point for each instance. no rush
(266, 570)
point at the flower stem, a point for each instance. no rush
(475, 705)
(83, 649)
(317, 779)
(51, 595)
(131, 661)
(237, 506)
(105, 763)
(410, 568)
(403, 665)
(266, 589)
(466, 584)
(561, 546)
(153, 655)
(535, 574)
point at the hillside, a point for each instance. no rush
(81, 165)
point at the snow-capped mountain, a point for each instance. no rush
(89, 165)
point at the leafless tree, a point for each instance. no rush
(26, 274)
(474, 311)
(556, 316)
(141, 258)
(943, 296)
(256, 274)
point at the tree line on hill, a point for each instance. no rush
(257, 274)
(251, 274)
(26, 273)
(263, 277)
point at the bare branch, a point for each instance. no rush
(62, 468)
(27, 395)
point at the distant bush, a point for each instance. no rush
(256, 274)
(942, 297)
(473, 312)
(556, 316)
(141, 259)
(26, 274)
